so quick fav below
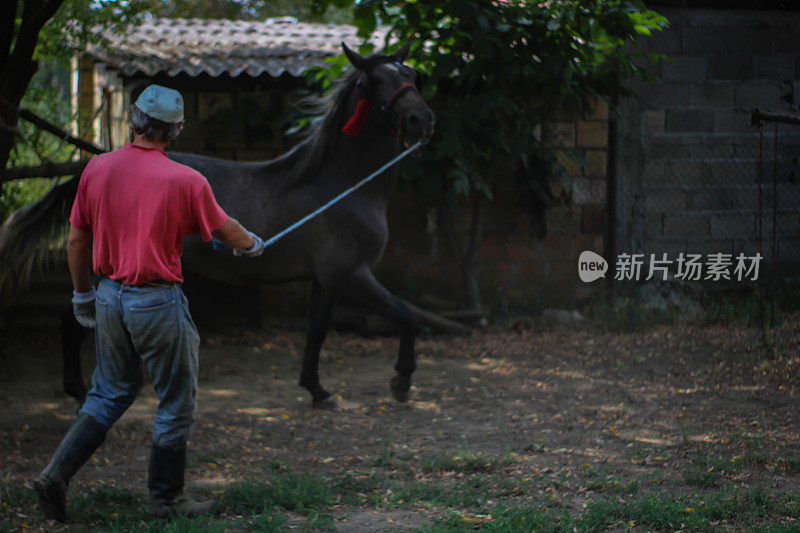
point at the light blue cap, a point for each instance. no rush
(161, 104)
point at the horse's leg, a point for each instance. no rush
(366, 289)
(319, 316)
(72, 334)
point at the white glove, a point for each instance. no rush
(83, 307)
(254, 251)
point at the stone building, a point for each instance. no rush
(693, 174)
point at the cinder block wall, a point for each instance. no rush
(519, 273)
(688, 157)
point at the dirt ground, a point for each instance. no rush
(567, 406)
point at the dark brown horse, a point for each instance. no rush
(336, 251)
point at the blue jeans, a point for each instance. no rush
(152, 325)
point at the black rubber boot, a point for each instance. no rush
(165, 481)
(80, 442)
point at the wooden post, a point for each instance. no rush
(86, 90)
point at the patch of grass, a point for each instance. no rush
(108, 504)
(14, 496)
(416, 493)
(790, 465)
(505, 519)
(731, 504)
(394, 459)
(754, 508)
(699, 477)
(214, 456)
(293, 492)
(355, 489)
(468, 462)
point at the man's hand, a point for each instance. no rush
(83, 308)
(254, 251)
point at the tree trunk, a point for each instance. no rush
(17, 66)
(467, 253)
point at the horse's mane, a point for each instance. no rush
(308, 156)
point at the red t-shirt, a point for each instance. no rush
(139, 204)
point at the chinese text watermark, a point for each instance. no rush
(688, 267)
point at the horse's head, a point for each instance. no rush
(394, 89)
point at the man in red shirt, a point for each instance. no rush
(134, 206)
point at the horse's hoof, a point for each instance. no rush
(328, 404)
(401, 388)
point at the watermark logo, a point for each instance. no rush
(591, 266)
(688, 267)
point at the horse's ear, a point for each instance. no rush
(402, 53)
(420, 81)
(354, 57)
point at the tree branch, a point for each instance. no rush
(8, 15)
(58, 132)
(48, 170)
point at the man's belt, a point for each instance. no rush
(156, 283)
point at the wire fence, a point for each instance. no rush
(721, 208)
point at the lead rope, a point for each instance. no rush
(218, 245)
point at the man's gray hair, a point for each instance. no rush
(151, 128)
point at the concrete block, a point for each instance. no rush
(751, 95)
(596, 163)
(731, 172)
(723, 198)
(561, 187)
(597, 188)
(597, 109)
(581, 192)
(730, 67)
(710, 246)
(653, 120)
(677, 120)
(593, 220)
(786, 40)
(731, 121)
(705, 40)
(659, 246)
(748, 147)
(653, 226)
(656, 171)
(688, 146)
(749, 40)
(563, 218)
(684, 68)
(665, 42)
(661, 201)
(680, 225)
(775, 67)
(661, 95)
(718, 39)
(560, 134)
(521, 248)
(587, 191)
(788, 224)
(736, 225)
(592, 134)
(570, 161)
(713, 93)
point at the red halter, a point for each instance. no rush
(357, 122)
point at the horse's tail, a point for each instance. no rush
(26, 235)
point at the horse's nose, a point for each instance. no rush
(414, 119)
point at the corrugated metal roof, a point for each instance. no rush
(196, 46)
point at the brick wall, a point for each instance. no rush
(688, 155)
(518, 271)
